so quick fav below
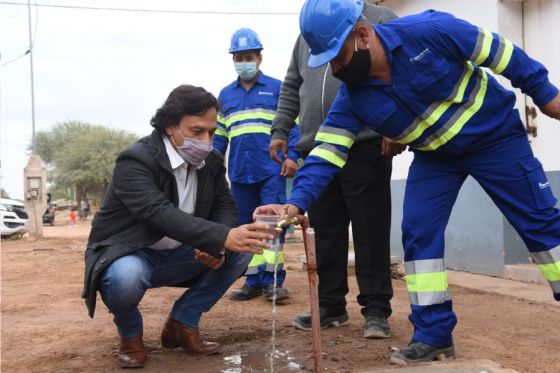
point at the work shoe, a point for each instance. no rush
(132, 353)
(281, 293)
(174, 334)
(417, 352)
(328, 318)
(246, 292)
(376, 327)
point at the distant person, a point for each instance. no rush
(360, 194)
(248, 105)
(72, 217)
(167, 220)
(84, 211)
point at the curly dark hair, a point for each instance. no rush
(183, 100)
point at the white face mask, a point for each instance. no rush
(194, 152)
(246, 70)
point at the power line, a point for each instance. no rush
(32, 42)
(155, 10)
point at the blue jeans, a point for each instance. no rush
(125, 281)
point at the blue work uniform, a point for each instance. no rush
(244, 123)
(459, 121)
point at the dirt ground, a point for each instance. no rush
(45, 327)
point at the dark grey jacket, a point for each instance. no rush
(309, 92)
(140, 208)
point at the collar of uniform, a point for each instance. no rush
(174, 157)
(389, 41)
(261, 79)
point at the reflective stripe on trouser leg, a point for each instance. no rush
(426, 281)
(268, 258)
(432, 187)
(430, 301)
(548, 262)
(253, 267)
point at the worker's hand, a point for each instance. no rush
(208, 260)
(390, 148)
(552, 109)
(248, 238)
(278, 145)
(289, 168)
(273, 209)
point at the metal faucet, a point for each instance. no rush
(285, 222)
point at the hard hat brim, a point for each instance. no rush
(317, 60)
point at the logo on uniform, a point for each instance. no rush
(265, 93)
(420, 56)
(544, 185)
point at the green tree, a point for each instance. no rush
(81, 157)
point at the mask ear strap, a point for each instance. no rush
(172, 139)
(355, 43)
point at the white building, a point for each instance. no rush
(478, 238)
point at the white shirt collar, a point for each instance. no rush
(174, 157)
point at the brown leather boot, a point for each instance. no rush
(132, 353)
(175, 334)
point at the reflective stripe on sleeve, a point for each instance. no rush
(330, 153)
(221, 132)
(461, 116)
(483, 46)
(503, 56)
(337, 136)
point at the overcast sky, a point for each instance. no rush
(116, 68)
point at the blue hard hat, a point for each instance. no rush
(244, 39)
(325, 25)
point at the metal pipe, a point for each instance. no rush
(313, 278)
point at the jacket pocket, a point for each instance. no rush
(538, 183)
(266, 101)
(428, 70)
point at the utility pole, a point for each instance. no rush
(32, 82)
(35, 174)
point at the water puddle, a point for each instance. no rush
(262, 362)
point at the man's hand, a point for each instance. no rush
(552, 109)
(390, 148)
(278, 145)
(289, 168)
(208, 260)
(248, 239)
(276, 210)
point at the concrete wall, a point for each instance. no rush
(478, 238)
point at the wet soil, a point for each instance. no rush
(45, 327)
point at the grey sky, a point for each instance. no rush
(115, 68)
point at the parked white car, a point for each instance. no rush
(13, 218)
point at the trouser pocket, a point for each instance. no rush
(538, 183)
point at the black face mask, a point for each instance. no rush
(357, 69)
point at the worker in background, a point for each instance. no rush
(360, 193)
(248, 106)
(420, 81)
